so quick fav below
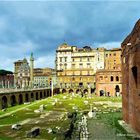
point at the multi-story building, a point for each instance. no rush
(43, 77)
(80, 68)
(108, 82)
(6, 79)
(23, 73)
(76, 67)
(131, 78)
(113, 59)
(109, 79)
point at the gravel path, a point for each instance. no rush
(99, 130)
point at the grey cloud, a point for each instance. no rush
(42, 26)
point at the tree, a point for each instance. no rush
(5, 72)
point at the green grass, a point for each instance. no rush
(66, 106)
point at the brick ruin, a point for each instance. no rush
(131, 78)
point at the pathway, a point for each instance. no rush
(99, 130)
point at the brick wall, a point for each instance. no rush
(131, 78)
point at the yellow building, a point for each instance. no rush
(109, 80)
(43, 77)
(76, 67)
(113, 59)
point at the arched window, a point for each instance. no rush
(117, 78)
(111, 78)
(135, 74)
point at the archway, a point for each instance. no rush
(44, 94)
(63, 90)
(77, 91)
(71, 90)
(85, 91)
(101, 93)
(117, 78)
(13, 100)
(48, 93)
(20, 99)
(32, 96)
(4, 102)
(92, 90)
(36, 95)
(117, 89)
(26, 97)
(40, 95)
(135, 74)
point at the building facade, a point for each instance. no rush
(43, 77)
(113, 59)
(81, 69)
(76, 67)
(108, 82)
(7, 81)
(109, 79)
(131, 78)
(23, 73)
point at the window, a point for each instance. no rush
(114, 54)
(106, 55)
(60, 66)
(60, 59)
(73, 78)
(117, 78)
(65, 59)
(101, 77)
(80, 59)
(73, 59)
(110, 54)
(88, 59)
(135, 74)
(111, 78)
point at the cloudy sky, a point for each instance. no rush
(40, 27)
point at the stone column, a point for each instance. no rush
(52, 88)
(31, 69)
(8, 84)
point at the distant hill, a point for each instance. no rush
(5, 72)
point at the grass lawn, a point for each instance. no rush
(108, 110)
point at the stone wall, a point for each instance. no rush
(107, 81)
(12, 98)
(131, 78)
